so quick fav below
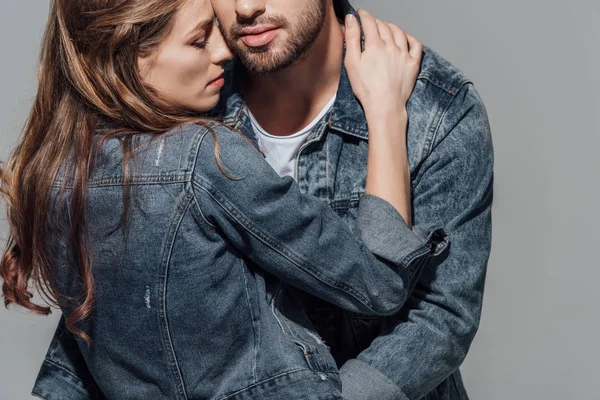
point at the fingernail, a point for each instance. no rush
(350, 20)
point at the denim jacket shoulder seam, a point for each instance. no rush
(444, 114)
(453, 90)
(194, 159)
(433, 132)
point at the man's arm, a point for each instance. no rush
(439, 321)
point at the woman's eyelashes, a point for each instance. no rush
(200, 45)
(207, 31)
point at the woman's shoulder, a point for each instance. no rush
(207, 133)
(221, 144)
(170, 155)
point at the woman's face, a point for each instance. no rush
(187, 66)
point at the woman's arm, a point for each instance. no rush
(383, 77)
(299, 238)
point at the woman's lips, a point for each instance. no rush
(218, 82)
(260, 39)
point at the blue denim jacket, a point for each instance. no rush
(415, 354)
(181, 309)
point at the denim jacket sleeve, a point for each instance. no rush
(441, 316)
(261, 215)
(300, 239)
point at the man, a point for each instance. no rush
(292, 95)
(297, 102)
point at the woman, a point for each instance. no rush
(138, 218)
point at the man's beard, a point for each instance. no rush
(263, 60)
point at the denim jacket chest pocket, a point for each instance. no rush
(335, 171)
(343, 171)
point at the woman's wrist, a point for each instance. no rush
(386, 119)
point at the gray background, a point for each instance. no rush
(536, 65)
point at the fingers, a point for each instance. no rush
(353, 36)
(370, 29)
(416, 48)
(385, 33)
(400, 37)
(377, 32)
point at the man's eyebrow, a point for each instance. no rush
(202, 26)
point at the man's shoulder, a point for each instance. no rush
(443, 88)
(445, 102)
(440, 73)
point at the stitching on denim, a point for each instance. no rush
(348, 131)
(235, 119)
(135, 180)
(327, 185)
(194, 160)
(286, 253)
(434, 127)
(195, 149)
(273, 301)
(453, 90)
(166, 259)
(72, 375)
(434, 131)
(200, 211)
(255, 333)
(54, 344)
(346, 204)
(227, 396)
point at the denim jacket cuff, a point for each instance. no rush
(56, 383)
(360, 381)
(383, 230)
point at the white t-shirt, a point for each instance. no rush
(281, 151)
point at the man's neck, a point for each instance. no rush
(285, 102)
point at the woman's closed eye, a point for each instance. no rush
(203, 32)
(200, 44)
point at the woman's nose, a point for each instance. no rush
(220, 52)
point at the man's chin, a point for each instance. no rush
(268, 62)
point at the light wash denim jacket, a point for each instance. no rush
(415, 354)
(182, 310)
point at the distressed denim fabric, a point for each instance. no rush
(417, 353)
(181, 309)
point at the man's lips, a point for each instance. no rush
(257, 36)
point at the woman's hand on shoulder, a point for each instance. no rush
(384, 74)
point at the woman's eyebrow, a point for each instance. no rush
(202, 26)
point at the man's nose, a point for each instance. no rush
(249, 9)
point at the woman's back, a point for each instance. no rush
(177, 312)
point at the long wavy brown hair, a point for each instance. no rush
(87, 73)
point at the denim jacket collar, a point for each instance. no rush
(347, 115)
